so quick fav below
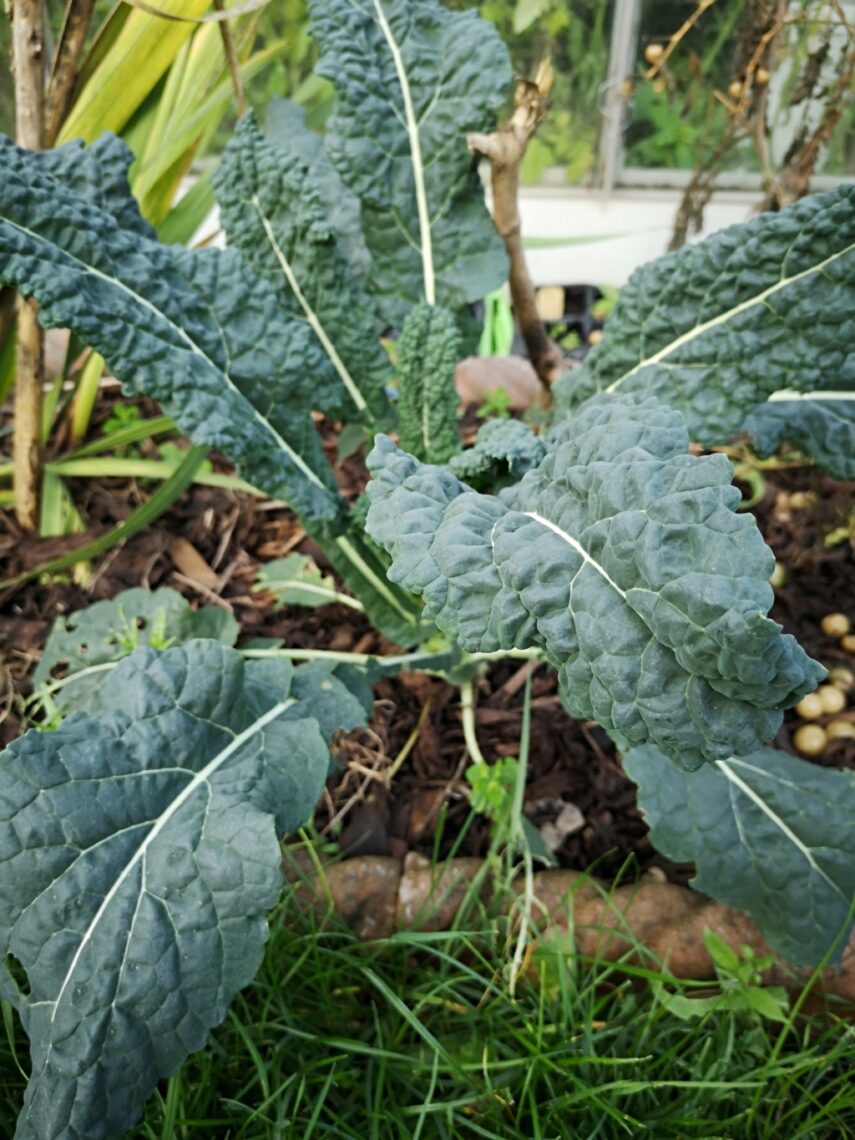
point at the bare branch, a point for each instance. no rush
(505, 149)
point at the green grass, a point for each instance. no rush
(417, 1037)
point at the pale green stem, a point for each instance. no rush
(352, 554)
(527, 901)
(418, 660)
(324, 592)
(467, 716)
(518, 834)
(54, 686)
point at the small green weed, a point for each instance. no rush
(497, 404)
(739, 988)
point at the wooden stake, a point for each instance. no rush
(29, 63)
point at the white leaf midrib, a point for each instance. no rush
(201, 777)
(412, 129)
(728, 315)
(781, 824)
(578, 547)
(786, 394)
(311, 315)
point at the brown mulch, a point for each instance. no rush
(424, 806)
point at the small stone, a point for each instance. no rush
(568, 822)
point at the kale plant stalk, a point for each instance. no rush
(139, 848)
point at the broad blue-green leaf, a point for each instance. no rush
(139, 852)
(340, 696)
(823, 429)
(131, 300)
(413, 80)
(502, 447)
(623, 557)
(717, 328)
(275, 211)
(769, 834)
(286, 128)
(99, 173)
(82, 645)
(271, 358)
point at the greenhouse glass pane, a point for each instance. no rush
(675, 120)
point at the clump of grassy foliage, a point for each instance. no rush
(418, 1036)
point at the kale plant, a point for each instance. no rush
(139, 840)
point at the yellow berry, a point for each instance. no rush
(847, 643)
(843, 678)
(778, 578)
(840, 730)
(810, 740)
(735, 90)
(835, 625)
(831, 698)
(801, 500)
(810, 707)
(653, 53)
(761, 77)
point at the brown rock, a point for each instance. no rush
(376, 896)
(363, 892)
(477, 376)
(429, 900)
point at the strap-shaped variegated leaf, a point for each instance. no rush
(769, 834)
(823, 429)
(275, 210)
(717, 328)
(622, 556)
(130, 298)
(139, 852)
(413, 80)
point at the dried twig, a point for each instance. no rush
(793, 181)
(677, 38)
(762, 24)
(505, 149)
